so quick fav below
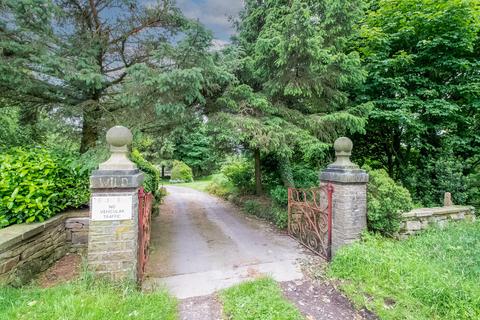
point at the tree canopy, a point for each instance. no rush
(83, 57)
(424, 81)
(399, 76)
(293, 70)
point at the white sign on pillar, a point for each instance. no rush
(112, 208)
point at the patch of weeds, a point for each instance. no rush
(433, 275)
(260, 299)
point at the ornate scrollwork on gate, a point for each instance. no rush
(310, 218)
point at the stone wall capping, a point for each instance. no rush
(437, 211)
(17, 233)
(419, 219)
(26, 249)
(346, 176)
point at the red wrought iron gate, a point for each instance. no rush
(144, 222)
(310, 218)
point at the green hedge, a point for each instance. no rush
(181, 172)
(35, 184)
(221, 186)
(386, 202)
(240, 172)
(152, 174)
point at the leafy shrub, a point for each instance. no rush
(252, 207)
(449, 177)
(279, 195)
(181, 172)
(279, 216)
(35, 184)
(264, 209)
(240, 172)
(152, 174)
(304, 176)
(386, 201)
(221, 186)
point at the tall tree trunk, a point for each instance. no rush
(89, 128)
(258, 173)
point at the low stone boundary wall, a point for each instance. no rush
(27, 249)
(76, 229)
(419, 219)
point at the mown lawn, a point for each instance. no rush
(435, 275)
(260, 299)
(199, 184)
(85, 300)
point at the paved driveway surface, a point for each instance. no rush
(201, 244)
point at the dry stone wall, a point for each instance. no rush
(419, 219)
(76, 229)
(28, 249)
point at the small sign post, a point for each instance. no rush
(111, 208)
(113, 233)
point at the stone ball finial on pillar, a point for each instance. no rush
(349, 207)
(118, 137)
(343, 150)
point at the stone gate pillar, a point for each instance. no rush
(113, 233)
(349, 205)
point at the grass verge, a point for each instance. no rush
(260, 299)
(87, 300)
(199, 184)
(434, 275)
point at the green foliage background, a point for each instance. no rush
(151, 182)
(422, 61)
(35, 184)
(386, 201)
(181, 172)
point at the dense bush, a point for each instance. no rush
(264, 209)
(35, 184)
(386, 201)
(240, 172)
(181, 172)
(279, 195)
(221, 186)
(431, 178)
(152, 174)
(279, 216)
(305, 176)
